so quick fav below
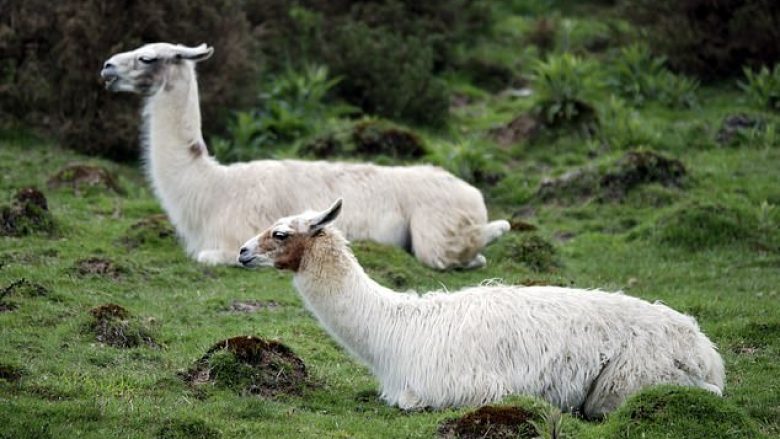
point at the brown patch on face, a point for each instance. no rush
(292, 253)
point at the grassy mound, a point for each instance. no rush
(152, 231)
(677, 412)
(251, 365)
(114, 326)
(490, 422)
(27, 214)
(698, 225)
(529, 249)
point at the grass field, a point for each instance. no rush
(706, 243)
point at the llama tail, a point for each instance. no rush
(493, 230)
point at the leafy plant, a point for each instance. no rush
(468, 160)
(622, 126)
(293, 107)
(640, 77)
(762, 87)
(564, 84)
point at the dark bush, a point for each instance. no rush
(710, 38)
(51, 53)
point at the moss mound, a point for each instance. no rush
(251, 365)
(114, 326)
(81, 177)
(696, 226)
(187, 429)
(28, 213)
(368, 139)
(668, 411)
(529, 249)
(490, 422)
(153, 230)
(633, 170)
(97, 266)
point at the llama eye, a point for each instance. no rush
(280, 236)
(147, 60)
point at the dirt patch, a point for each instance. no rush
(490, 422)
(634, 169)
(374, 138)
(114, 326)
(521, 128)
(734, 125)
(28, 213)
(252, 305)
(152, 230)
(10, 373)
(80, 177)
(251, 365)
(96, 266)
(518, 225)
(531, 250)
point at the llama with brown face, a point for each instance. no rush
(584, 350)
(441, 219)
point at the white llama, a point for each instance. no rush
(580, 350)
(439, 218)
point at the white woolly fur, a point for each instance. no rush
(441, 219)
(583, 350)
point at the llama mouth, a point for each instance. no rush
(110, 82)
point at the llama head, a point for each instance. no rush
(147, 69)
(283, 244)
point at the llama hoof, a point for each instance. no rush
(478, 262)
(217, 257)
(409, 402)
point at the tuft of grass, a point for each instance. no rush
(762, 87)
(565, 85)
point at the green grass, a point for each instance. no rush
(710, 248)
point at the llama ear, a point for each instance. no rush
(326, 217)
(197, 54)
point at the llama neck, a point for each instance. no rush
(175, 142)
(344, 299)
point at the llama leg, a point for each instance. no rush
(409, 401)
(442, 240)
(217, 257)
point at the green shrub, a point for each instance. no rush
(388, 73)
(763, 87)
(710, 38)
(639, 76)
(293, 107)
(565, 85)
(471, 161)
(51, 53)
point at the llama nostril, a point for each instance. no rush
(243, 251)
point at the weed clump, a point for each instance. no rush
(696, 226)
(531, 250)
(81, 177)
(152, 230)
(669, 411)
(187, 429)
(490, 422)
(27, 214)
(250, 365)
(114, 326)
(96, 266)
